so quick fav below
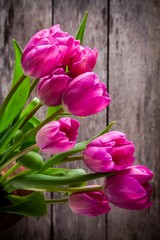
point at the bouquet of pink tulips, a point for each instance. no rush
(61, 69)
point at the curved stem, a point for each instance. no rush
(51, 201)
(72, 159)
(104, 131)
(33, 84)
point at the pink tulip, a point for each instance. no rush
(130, 188)
(83, 61)
(58, 136)
(85, 95)
(89, 203)
(109, 152)
(51, 87)
(65, 39)
(47, 50)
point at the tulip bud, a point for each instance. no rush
(18, 136)
(130, 188)
(85, 95)
(109, 152)
(31, 160)
(58, 136)
(83, 61)
(89, 203)
(51, 87)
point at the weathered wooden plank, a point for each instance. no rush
(68, 14)
(134, 88)
(20, 20)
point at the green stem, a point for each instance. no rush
(38, 106)
(10, 94)
(47, 120)
(104, 131)
(72, 159)
(51, 201)
(33, 84)
(89, 188)
(12, 159)
(9, 172)
(60, 158)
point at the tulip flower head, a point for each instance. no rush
(83, 61)
(109, 152)
(89, 203)
(47, 50)
(58, 136)
(85, 95)
(51, 87)
(130, 188)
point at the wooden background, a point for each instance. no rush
(127, 35)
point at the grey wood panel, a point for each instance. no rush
(20, 20)
(134, 83)
(69, 14)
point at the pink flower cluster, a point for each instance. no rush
(65, 69)
(48, 55)
(128, 187)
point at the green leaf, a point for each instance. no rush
(19, 98)
(31, 160)
(80, 33)
(15, 105)
(32, 205)
(18, 72)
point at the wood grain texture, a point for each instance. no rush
(134, 83)
(20, 20)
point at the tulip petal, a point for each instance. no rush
(89, 203)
